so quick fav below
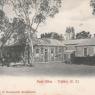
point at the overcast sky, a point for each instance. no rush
(75, 13)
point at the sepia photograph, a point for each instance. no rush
(47, 47)
(47, 37)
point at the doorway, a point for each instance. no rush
(46, 55)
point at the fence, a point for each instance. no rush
(89, 60)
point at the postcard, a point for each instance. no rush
(47, 47)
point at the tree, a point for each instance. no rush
(19, 26)
(5, 27)
(2, 17)
(92, 3)
(34, 12)
(83, 35)
(73, 33)
(70, 33)
(52, 35)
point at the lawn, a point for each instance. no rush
(49, 69)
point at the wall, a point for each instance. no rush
(48, 53)
(80, 51)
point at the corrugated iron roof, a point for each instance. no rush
(89, 42)
(80, 42)
(74, 42)
(48, 42)
(69, 51)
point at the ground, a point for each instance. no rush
(49, 69)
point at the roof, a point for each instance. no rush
(74, 42)
(80, 42)
(48, 42)
(89, 42)
(69, 51)
(54, 42)
(39, 41)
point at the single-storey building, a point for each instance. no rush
(44, 50)
(48, 50)
(85, 48)
(70, 48)
(80, 49)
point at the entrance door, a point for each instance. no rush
(67, 58)
(46, 55)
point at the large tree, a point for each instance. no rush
(83, 35)
(34, 12)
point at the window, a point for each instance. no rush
(52, 50)
(46, 50)
(94, 50)
(37, 50)
(66, 48)
(60, 49)
(85, 52)
(52, 54)
(56, 50)
(42, 50)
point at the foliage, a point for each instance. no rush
(19, 29)
(39, 10)
(92, 3)
(52, 35)
(83, 35)
(2, 17)
(70, 33)
(4, 25)
(33, 13)
(15, 30)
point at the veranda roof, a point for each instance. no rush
(69, 51)
(48, 42)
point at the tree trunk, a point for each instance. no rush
(29, 48)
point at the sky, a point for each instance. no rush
(74, 13)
